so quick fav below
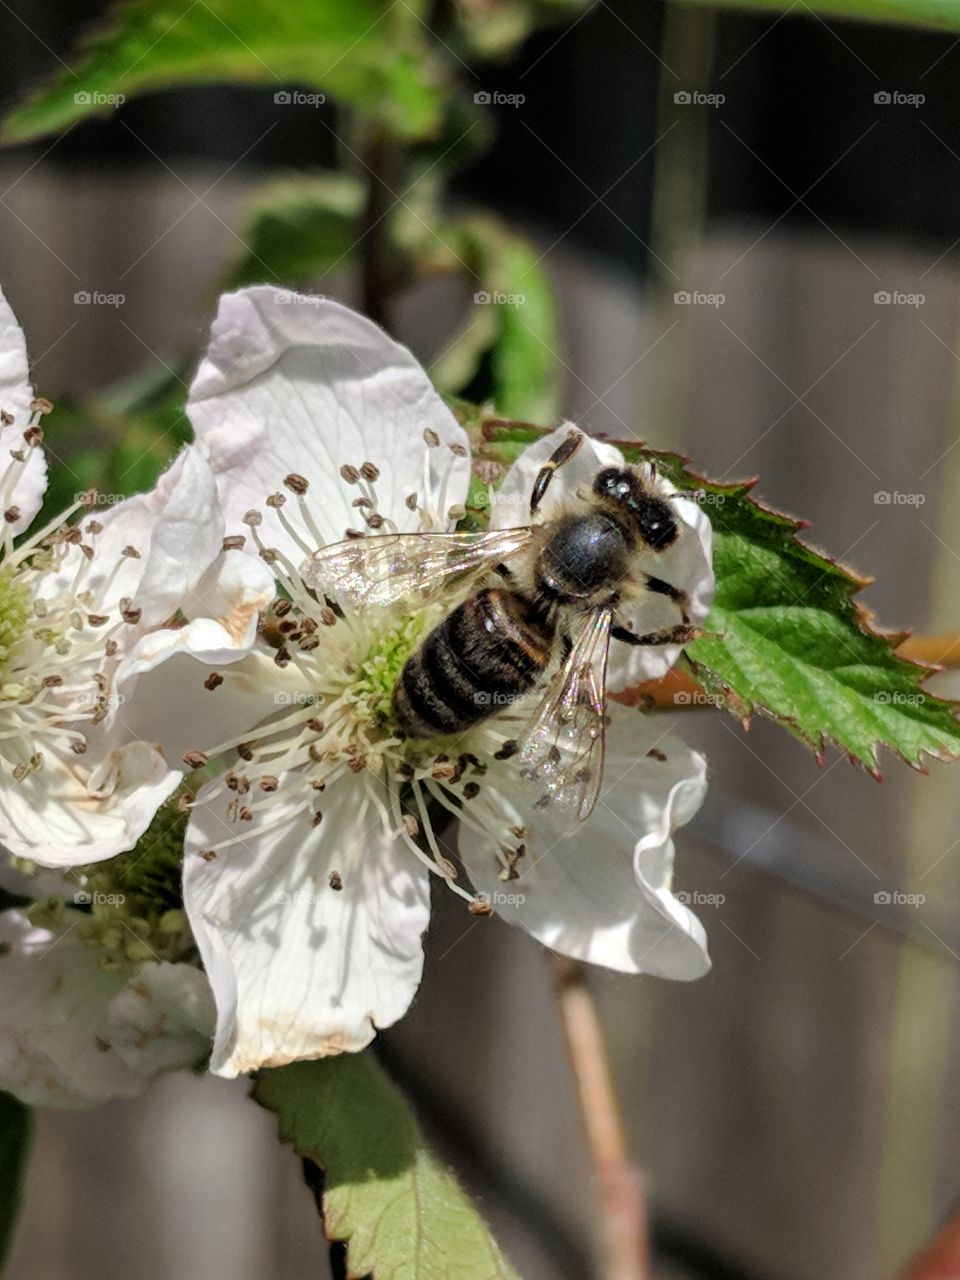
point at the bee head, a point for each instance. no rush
(648, 515)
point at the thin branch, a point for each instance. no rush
(624, 1233)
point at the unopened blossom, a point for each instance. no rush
(76, 785)
(308, 859)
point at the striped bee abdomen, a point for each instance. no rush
(482, 656)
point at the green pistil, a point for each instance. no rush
(378, 673)
(133, 909)
(14, 613)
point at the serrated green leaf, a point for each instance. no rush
(943, 14)
(786, 635)
(403, 1216)
(297, 229)
(16, 1138)
(365, 52)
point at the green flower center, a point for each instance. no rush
(376, 676)
(14, 613)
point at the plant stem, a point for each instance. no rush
(624, 1236)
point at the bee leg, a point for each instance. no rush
(681, 634)
(565, 452)
(661, 588)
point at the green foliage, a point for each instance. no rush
(369, 53)
(786, 635)
(943, 14)
(401, 1213)
(511, 324)
(16, 1138)
(299, 228)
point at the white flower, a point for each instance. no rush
(73, 1034)
(79, 778)
(307, 862)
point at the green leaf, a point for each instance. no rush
(369, 53)
(402, 1214)
(297, 229)
(512, 323)
(16, 1138)
(786, 635)
(943, 14)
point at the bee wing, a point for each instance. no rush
(562, 748)
(385, 568)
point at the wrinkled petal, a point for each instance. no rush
(300, 969)
(16, 393)
(60, 1015)
(601, 893)
(687, 564)
(164, 1019)
(305, 385)
(73, 811)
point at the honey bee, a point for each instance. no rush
(560, 582)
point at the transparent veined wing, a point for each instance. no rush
(562, 748)
(386, 568)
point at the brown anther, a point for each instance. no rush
(412, 825)
(6, 419)
(281, 606)
(410, 502)
(353, 534)
(289, 627)
(350, 474)
(12, 515)
(327, 616)
(316, 725)
(442, 771)
(40, 404)
(310, 643)
(508, 749)
(471, 790)
(253, 519)
(244, 814)
(111, 647)
(52, 682)
(213, 681)
(405, 770)
(276, 500)
(234, 542)
(336, 881)
(374, 520)
(185, 804)
(357, 764)
(318, 784)
(447, 867)
(480, 907)
(282, 657)
(269, 782)
(371, 472)
(32, 435)
(195, 759)
(131, 553)
(268, 555)
(79, 746)
(656, 754)
(208, 855)
(316, 819)
(362, 502)
(431, 438)
(232, 781)
(296, 484)
(131, 615)
(94, 527)
(98, 619)
(86, 551)
(458, 450)
(245, 750)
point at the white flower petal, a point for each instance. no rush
(164, 1019)
(601, 893)
(305, 385)
(79, 809)
(60, 1013)
(300, 969)
(16, 393)
(687, 564)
